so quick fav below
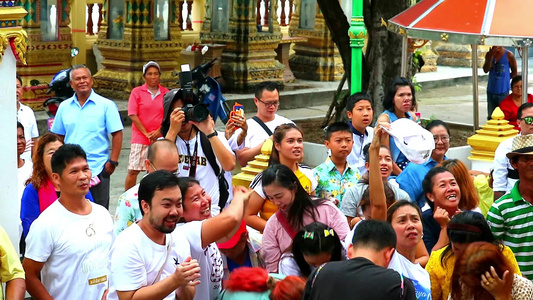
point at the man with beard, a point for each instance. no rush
(146, 261)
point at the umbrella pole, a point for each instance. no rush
(475, 91)
(404, 56)
(525, 50)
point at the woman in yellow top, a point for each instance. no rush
(463, 229)
(288, 150)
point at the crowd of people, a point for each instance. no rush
(370, 222)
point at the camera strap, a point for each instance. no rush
(223, 185)
(192, 159)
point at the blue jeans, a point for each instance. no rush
(493, 101)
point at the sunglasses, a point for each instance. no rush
(527, 120)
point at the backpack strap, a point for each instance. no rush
(262, 124)
(223, 186)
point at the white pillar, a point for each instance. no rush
(9, 203)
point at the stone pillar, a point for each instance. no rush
(45, 57)
(249, 57)
(124, 58)
(12, 37)
(318, 58)
(79, 38)
(357, 33)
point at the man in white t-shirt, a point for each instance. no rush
(25, 166)
(504, 175)
(202, 231)
(68, 246)
(146, 260)
(194, 162)
(26, 117)
(267, 101)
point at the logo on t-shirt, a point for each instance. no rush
(200, 160)
(176, 261)
(422, 292)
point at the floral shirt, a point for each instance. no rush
(331, 183)
(128, 210)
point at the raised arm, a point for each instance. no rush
(378, 201)
(225, 156)
(223, 226)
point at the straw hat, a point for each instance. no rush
(522, 145)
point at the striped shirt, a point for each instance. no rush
(511, 220)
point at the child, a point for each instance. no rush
(335, 175)
(359, 111)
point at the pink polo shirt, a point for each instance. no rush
(149, 111)
(276, 240)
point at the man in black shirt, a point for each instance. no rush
(365, 275)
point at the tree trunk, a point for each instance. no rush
(383, 51)
(338, 27)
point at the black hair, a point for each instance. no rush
(314, 239)
(465, 228)
(388, 100)
(375, 235)
(337, 127)
(427, 183)
(516, 79)
(265, 85)
(303, 204)
(390, 197)
(399, 204)
(277, 137)
(356, 97)
(155, 181)
(19, 125)
(18, 78)
(65, 155)
(521, 109)
(185, 183)
(436, 123)
(367, 147)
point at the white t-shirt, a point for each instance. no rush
(356, 158)
(136, 260)
(256, 135)
(418, 275)
(209, 259)
(257, 184)
(287, 265)
(26, 117)
(204, 172)
(23, 174)
(74, 249)
(502, 183)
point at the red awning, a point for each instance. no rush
(482, 22)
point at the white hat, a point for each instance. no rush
(151, 64)
(415, 142)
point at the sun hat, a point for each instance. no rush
(522, 145)
(415, 142)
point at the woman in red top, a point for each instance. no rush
(510, 104)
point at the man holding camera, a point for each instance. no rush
(145, 109)
(193, 131)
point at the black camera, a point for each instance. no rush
(196, 113)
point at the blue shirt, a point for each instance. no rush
(331, 183)
(89, 126)
(410, 180)
(500, 76)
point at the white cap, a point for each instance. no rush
(151, 64)
(415, 142)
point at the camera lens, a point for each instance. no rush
(196, 113)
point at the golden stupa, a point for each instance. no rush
(254, 167)
(487, 139)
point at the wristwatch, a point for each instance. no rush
(114, 163)
(215, 133)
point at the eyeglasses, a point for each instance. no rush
(443, 138)
(176, 172)
(269, 104)
(527, 120)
